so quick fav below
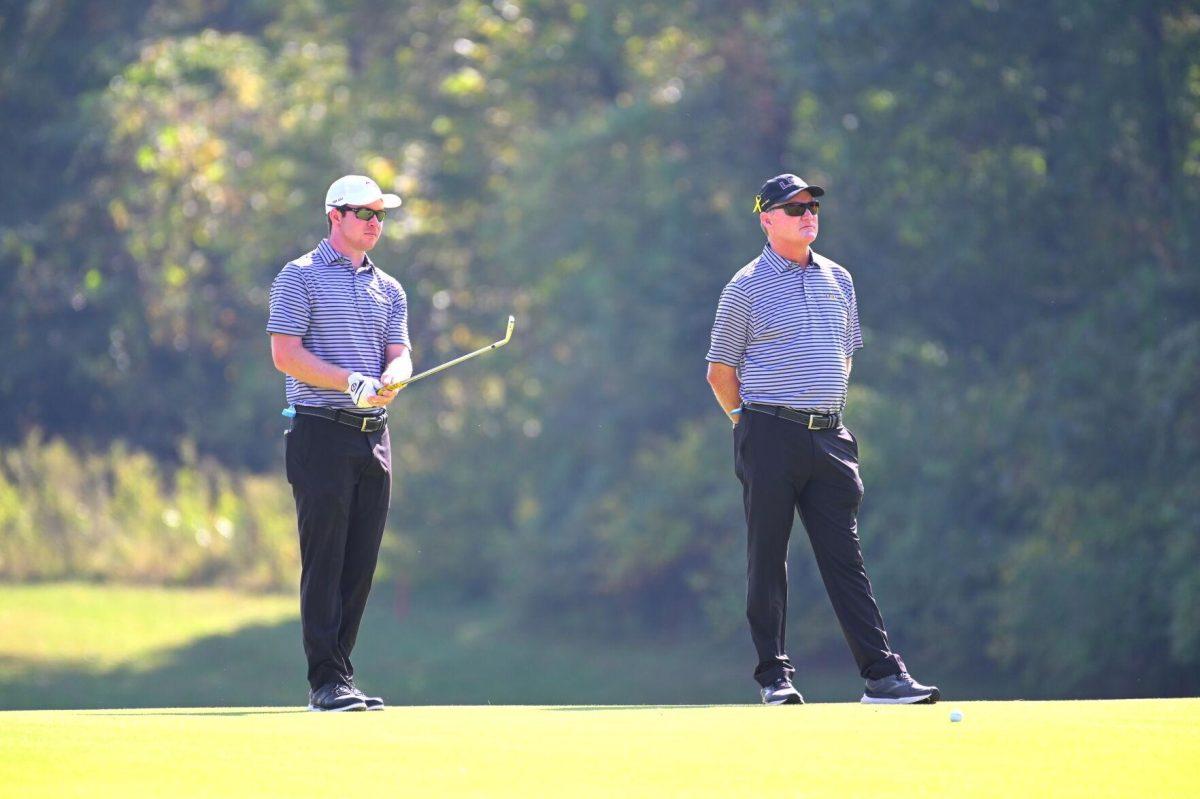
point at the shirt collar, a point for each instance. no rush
(328, 255)
(781, 264)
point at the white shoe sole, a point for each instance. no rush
(906, 700)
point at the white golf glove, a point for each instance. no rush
(389, 379)
(361, 388)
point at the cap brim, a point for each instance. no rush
(389, 201)
(815, 191)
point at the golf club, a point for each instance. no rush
(507, 335)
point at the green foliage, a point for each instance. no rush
(117, 516)
(1013, 185)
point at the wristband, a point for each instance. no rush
(734, 412)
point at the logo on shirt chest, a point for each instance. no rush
(377, 294)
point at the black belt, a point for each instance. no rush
(362, 422)
(813, 421)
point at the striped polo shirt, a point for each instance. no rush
(343, 314)
(788, 330)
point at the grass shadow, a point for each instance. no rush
(435, 655)
(169, 713)
(594, 708)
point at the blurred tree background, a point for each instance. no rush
(1014, 185)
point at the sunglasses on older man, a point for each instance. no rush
(364, 213)
(798, 209)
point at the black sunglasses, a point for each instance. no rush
(798, 209)
(364, 213)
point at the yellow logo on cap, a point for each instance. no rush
(758, 203)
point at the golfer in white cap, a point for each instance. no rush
(339, 331)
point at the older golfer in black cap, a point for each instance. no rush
(779, 363)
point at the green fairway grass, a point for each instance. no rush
(78, 646)
(102, 627)
(1129, 748)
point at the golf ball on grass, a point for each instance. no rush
(956, 715)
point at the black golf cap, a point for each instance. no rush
(781, 188)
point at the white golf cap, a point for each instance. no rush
(357, 190)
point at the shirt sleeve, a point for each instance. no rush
(731, 329)
(290, 308)
(853, 341)
(397, 332)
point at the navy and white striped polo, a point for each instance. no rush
(788, 331)
(343, 314)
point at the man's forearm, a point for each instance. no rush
(728, 395)
(725, 386)
(301, 364)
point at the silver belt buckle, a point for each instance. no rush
(811, 418)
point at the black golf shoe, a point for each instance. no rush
(335, 696)
(372, 702)
(781, 692)
(899, 689)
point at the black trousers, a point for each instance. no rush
(785, 467)
(342, 483)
